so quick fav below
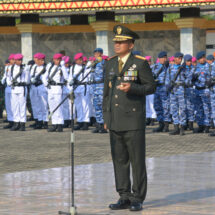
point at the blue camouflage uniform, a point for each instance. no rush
(212, 90)
(98, 77)
(189, 94)
(202, 94)
(161, 98)
(177, 92)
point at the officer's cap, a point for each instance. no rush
(210, 57)
(179, 54)
(187, 57)
(122, 33)
(100, 50)
(162, 54)
(200, 55)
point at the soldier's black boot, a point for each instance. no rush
(166, 127)
(148, 121)
(10, 125)
(66, 124)
(45, 125)
(53, 128)
(39, 125)
(96, 129)
(207, 128)
(34, 125)
(212, 134)
(84, 127)
(200, 129)
(176, 130)
(22, 126)
(152, 123)
(182, 130)
(59, 128)
(101, 129)
(160, 127)
(78, 126)
(15, 127)
(190, 125)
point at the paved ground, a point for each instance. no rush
(177, 185)
(34, 173)
(38, 149)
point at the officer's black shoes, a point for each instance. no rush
(176, 130)
(206, 130)
(59, 128)
(45, 125)
(160, 127)
(92, 121)
(10, 125)
(53, 128)
(101, 129)
(166, 127)
(200, 129)
(16, 126)
(136, 206)
(190, 125)
(84, 127)
(152, 123)
(22, 126)
(182, 130)
(78, 126)
(39, 125)
(120, 205)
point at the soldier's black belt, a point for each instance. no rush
(159, 84)
(57, 84)
(201, 88)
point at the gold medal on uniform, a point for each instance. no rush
(110, 84)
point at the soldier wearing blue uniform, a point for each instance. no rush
(98, 88)
(200, 79)
(161, 99)
(189, 91)
(210, 61)
(176, 83)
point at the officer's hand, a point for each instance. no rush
(105, 126)
(125, 87)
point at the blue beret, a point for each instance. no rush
(188, 57)
(210, 57)
(136, 52)
(200, 55)
(162, 54)
(178, 54)
(98, 50)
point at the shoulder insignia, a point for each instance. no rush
(139, 57)
(112, 57)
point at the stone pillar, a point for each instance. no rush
(192, 32)
(105, 21)
(29, 24)
(192, 35)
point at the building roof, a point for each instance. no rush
(62, 6)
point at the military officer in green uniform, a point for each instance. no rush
(128, 79)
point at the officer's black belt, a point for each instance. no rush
(178, 85)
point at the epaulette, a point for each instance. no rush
(112, 57)
(139, 57)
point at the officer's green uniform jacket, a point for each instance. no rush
(126, 111)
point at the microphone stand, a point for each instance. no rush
(73, 208)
